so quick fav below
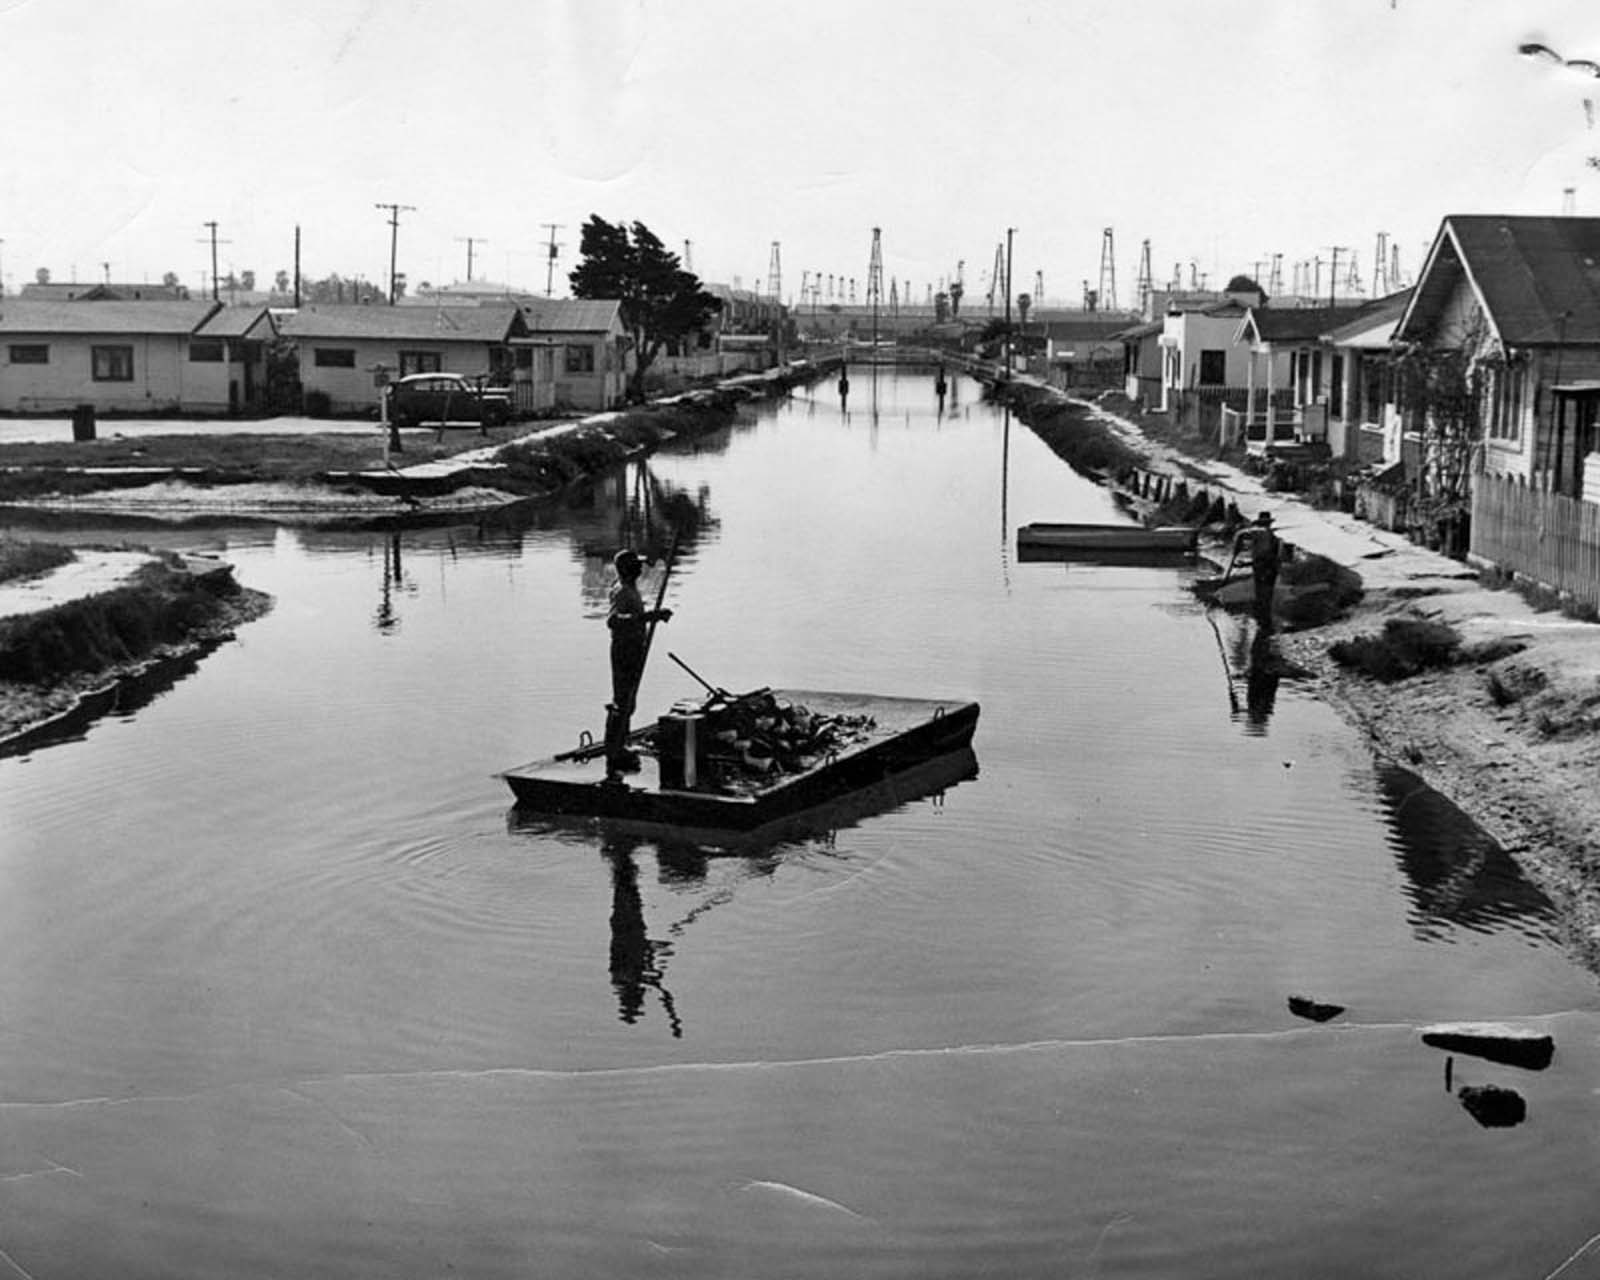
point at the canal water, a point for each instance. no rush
(289, 989)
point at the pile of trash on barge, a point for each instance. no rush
(741, 743)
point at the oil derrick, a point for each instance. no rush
(688, 259)
(1352, 284)
(775, 275)
(1038, 288)
(1146, 285)
(1275, 279)
(874, 273)
(1395, 278)
(1108, 270)
(1381, 286)
(958, 287)
(894, 297)
(997, 274)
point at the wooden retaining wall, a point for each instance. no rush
(1545, 536)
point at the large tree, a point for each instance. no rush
(661, 302)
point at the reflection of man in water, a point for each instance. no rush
(634, 963)
(1261, 682)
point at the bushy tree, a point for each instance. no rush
(661, 302)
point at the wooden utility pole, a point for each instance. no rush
(297, 266)
(550, 262)
(471, 240)
(215, 295)
(1010, 231)
(395, 211)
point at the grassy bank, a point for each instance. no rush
(28, 559)
(162, 605)
(1068, 430)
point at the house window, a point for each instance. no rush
(30, 353)
(334, 357)
(1213, 368)
(205, 353)
(111, 364)
(420, 362)
(1503, 407)
(580, 359)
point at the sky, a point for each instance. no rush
(1223, 132)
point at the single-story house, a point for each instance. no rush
(594, 358)
(347, 353)
(125, 357)
(1363, 424)
(1520, 298)
(1284, 347)
(228, 360)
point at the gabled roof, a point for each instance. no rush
(421, 324)
(102, 291)
(1294, 324)
(1080, 327)
(1537, 278)
(571, 315)
(1373, 325)
(239, 322)
(25, 315)
(1134, 333)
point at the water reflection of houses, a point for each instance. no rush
(1459, 877)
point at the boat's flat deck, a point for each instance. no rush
(578, 785)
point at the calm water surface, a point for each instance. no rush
(288, 989)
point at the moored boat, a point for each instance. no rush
(808, 748)
(1106, 538)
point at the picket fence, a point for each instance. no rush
(1548, 537)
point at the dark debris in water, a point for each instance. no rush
(1492, 1106)
(1313, 1010)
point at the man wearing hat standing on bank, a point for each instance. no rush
(628, 620)
(1266, 549)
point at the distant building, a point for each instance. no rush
(86, 291)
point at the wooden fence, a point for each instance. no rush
(1548, 537)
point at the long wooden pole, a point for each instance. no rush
(650, 629)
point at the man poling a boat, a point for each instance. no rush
(1266, 549)
(632, 627)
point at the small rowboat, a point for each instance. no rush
(682, 786)
(1062, 541)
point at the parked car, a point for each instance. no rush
(421, 399)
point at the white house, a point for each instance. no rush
(121, 357)
(593, 359)
(347, 353)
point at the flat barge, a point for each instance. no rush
(690, 778)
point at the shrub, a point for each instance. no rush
(1407, 647)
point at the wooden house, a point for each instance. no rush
(347, 353)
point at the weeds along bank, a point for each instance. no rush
(168, 610)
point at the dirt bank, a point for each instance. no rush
(1514, 742)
